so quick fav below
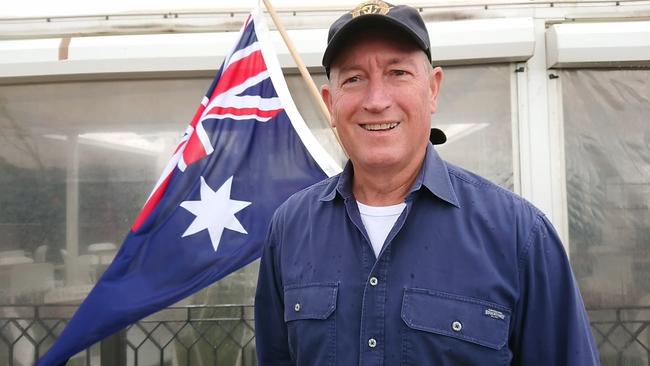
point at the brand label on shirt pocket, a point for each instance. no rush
(309, 301)
(473, 320)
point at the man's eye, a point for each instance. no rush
(399, 72)
(352, 79)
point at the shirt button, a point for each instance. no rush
(296, 307)
(456, 326)
(373, 281)
(372, 343)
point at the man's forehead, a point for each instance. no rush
(350, 63)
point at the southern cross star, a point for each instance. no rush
(215, 211)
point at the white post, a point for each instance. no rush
(540, 136)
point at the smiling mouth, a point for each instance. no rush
(379, 126)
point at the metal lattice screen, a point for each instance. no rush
(191, 335)
(224, 335)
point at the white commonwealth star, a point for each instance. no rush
(215, 211)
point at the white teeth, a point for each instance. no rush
(379, 126)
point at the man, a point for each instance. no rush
(404, 259)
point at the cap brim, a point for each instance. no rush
(336, 43)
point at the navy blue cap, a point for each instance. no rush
(376, 12)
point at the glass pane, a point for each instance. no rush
(607, 138)
(474, 111)
(77, 161)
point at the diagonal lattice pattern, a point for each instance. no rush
(225, 335)
(622, 335)
(208, 335)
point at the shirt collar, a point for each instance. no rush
(342, 185)
(433, 175)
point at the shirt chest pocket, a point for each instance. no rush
(310, 301)
(464, 330)
(309, 312)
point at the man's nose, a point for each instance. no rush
(378, 97)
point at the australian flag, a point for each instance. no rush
(245, 151)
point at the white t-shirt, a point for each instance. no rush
(378, 221)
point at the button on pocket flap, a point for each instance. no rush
(461, 317)
(309, 301)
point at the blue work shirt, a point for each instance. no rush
(470, 274)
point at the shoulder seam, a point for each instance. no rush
(454, 172)
(529, 240)
(491, 185)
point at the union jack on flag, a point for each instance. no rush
(244, 152)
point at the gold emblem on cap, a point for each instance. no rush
(371, 7)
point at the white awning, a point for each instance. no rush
(482, 40)
(610, 44)
(453, 42)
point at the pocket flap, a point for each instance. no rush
(460, 317)
(309, 301)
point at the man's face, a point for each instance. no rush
(381, 95)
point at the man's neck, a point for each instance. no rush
(384, 187)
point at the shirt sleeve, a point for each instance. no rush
(271, 342)
(551, 326)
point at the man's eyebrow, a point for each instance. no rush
(400, 60)
(346, 68)
(390, 62)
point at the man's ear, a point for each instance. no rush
(435, 83)
(327, 98)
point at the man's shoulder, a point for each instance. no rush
(510, 216)
(471, 186)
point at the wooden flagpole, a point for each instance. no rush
(313, 90)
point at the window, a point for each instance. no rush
(607, 149)
(475, 113)
(78, 159)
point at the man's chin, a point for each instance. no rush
(379, 161)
